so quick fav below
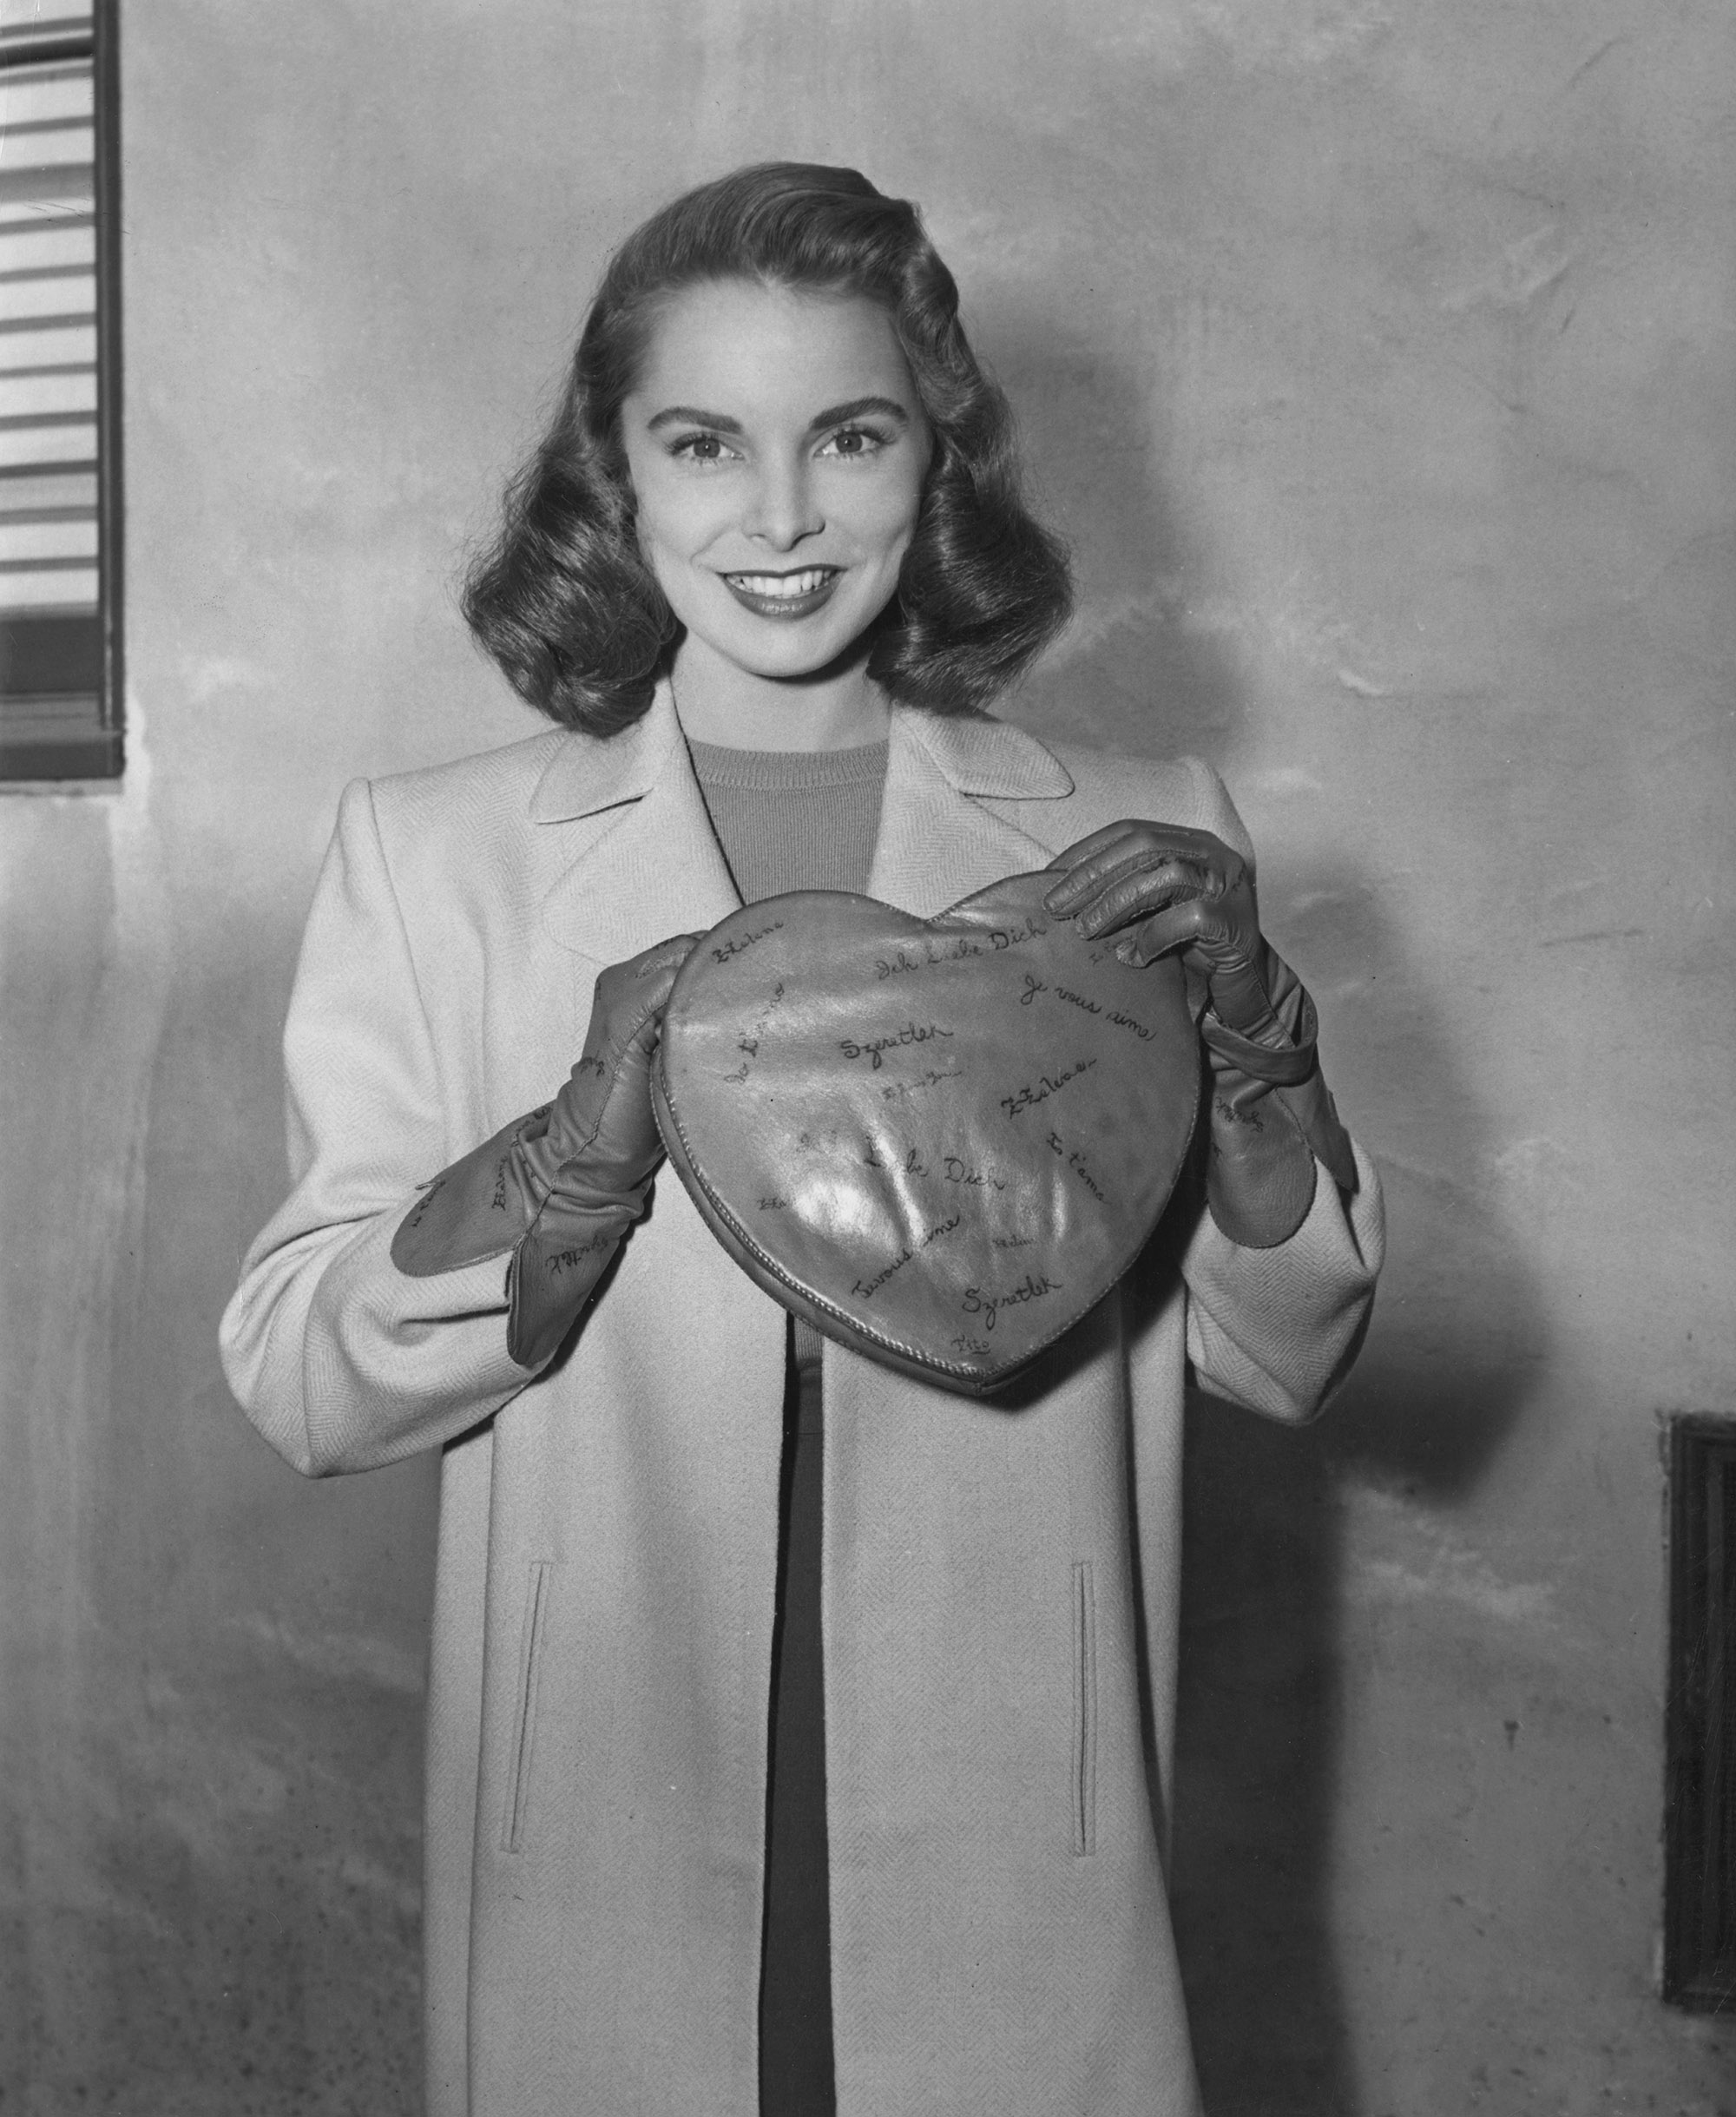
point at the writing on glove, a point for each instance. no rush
(558, 1188)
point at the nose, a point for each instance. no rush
(782, 509)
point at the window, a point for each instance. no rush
(59, 391)
(1699, 1811)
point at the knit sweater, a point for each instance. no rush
(794, 820)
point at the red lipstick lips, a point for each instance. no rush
(786, 596)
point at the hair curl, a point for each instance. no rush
(563, 599)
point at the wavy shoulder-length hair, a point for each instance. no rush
(564, 600)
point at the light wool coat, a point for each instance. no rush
(1000, 1579)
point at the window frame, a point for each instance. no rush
(96, 750)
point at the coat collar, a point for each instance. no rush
(936, 845)
(589, 773)
(644, 861)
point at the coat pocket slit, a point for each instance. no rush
(1084, 1710)
(525, 1720)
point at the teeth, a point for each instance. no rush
(783, 586)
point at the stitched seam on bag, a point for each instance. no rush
(1084, 1710)
(524, 1721)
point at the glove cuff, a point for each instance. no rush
(1260, 1172)
(1272, 1121)
(1280, 1066)
(1316, 1118)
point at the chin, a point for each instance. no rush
(794, 661)
(788, 654)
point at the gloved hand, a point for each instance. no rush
(1179, 889)
(561, 1186)
(1166, 887)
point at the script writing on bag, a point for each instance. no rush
(942, 1141)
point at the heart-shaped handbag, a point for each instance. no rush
(941, 1141)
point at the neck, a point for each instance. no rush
(836, 709)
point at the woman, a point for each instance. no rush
(798, 1732)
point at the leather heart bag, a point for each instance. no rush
(941, 1141)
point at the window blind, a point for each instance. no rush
(60, 554)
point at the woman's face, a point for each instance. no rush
(777, 448)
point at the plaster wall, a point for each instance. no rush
(1377, 358)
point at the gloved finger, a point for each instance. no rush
(1135, 848)
(1178, 925)
(653, 975)
(669, 954)
(643, 981)
(1142, 883)
(1086, 884)
(1218, 879)
(631, 994)
(1137, 896)
(1182, 836)
(1099, 841)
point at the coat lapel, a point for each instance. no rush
(936, 844)
(638, 859)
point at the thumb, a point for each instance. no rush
(654, 979)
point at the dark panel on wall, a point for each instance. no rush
(1700, 1820)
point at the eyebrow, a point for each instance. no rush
(834, 415)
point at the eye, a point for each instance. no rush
(700, 448)
(852, 444)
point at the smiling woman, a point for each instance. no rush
(798, 1729)
(812, 276)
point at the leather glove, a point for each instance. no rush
(558, 1188)
(1164, 887)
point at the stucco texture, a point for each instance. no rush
(1377, 360)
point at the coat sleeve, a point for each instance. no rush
(340, 1360)
(1276, 1330)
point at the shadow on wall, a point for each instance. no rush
(1460, 1332)
(1432, 1401)
(1425, 1413)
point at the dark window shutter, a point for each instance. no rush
(60, 677)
